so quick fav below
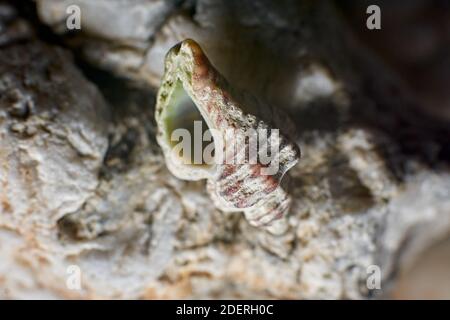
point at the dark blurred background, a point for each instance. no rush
(415, 41)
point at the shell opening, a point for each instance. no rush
(187, 131)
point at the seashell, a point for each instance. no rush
(232, 133)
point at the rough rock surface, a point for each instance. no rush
(82, 188)
(52, 141)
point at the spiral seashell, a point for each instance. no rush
(233, 133)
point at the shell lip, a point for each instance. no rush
(184, 63)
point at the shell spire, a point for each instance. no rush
(209, 130)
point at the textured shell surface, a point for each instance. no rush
(195, 99)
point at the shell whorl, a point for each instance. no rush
(193, 89)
